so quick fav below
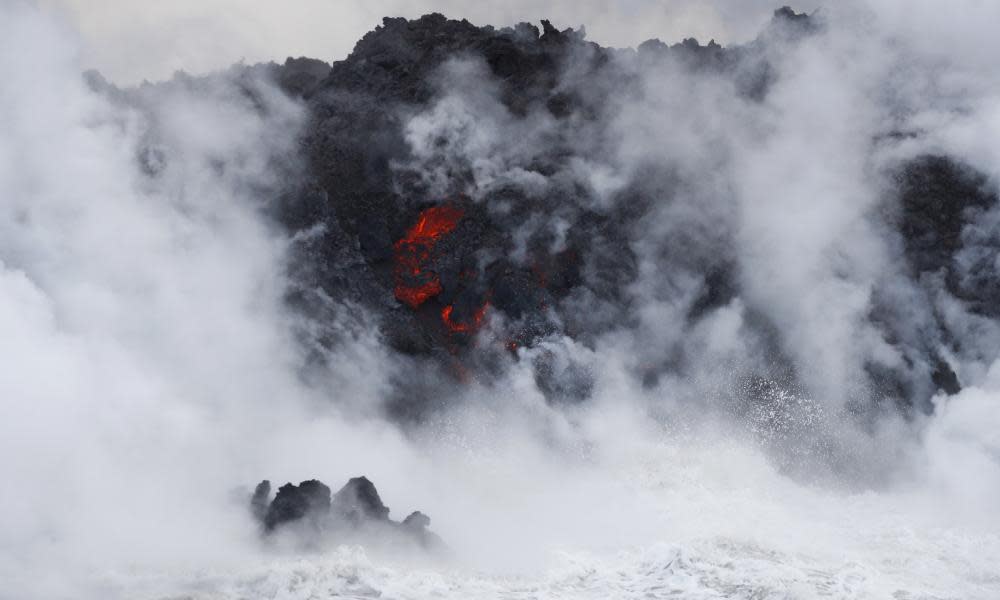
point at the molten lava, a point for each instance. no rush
(459, 327)
(432, 224)
(415, 283)
(414, 296)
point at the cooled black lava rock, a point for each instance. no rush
(356, 507)
(941, 202)
(943, 214)
(310, 499)
(785, 14)
(364, 190)
(358, 500)
(300, 76)
(416, 524)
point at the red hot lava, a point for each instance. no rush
(415, 284)
(458, 327)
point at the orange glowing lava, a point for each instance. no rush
(415, 284)
(457, 327)
(414, 296)
(432, 224)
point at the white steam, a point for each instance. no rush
(148, 364)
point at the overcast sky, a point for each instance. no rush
(129, 40)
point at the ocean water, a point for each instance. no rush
(711, 522)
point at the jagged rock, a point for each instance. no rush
(355, 507)
(300, 76)
(417, 520)
(416, 525)
(309, 500)
(358, 500)
(940, 199)
(787, 15)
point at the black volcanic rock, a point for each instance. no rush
(358, 500)
(364, 190)
(416, 525)
(785, 14)
(937, 198)
(300, 76)
(937, 213)
(355, 508)
(940, 201)
(308, 500)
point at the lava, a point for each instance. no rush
(459, 327)
(432, 224)
(414, 296)
(415, 283)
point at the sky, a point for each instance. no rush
(132, 40)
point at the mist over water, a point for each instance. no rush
(154, 370)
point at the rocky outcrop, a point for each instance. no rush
(308, 500)
(311, 511)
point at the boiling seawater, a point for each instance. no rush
(672, 520)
